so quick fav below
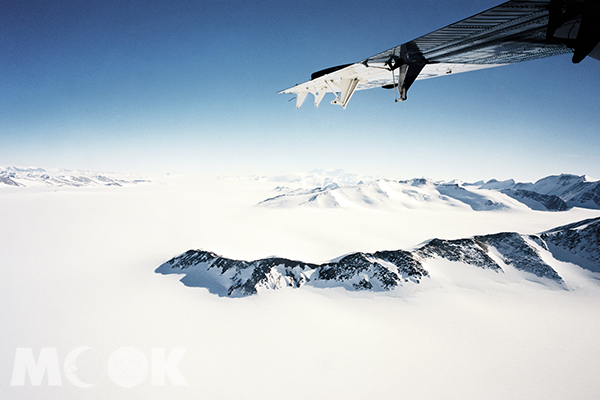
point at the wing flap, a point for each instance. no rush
(343, 81)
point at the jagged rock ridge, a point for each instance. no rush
(378, 271)
(517, 252)
(578, 242)
(386, 270)
(469, 251)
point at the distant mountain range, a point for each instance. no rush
(336, 188)
(22, 177)
(532, 256)
(553, 193)
(558, 191)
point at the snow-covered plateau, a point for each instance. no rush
(408, 289)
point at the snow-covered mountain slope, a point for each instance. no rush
(553, 193)
(23, 176)
(573, 190)
(410, 194)
(537, 201)
(385, 270)
(578, 242)
(337, 188)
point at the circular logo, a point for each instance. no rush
(127, 367)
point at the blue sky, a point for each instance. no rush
(190, 86)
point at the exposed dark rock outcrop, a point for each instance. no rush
(537, 201)
(469, 251)
(578, 243)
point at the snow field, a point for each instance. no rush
(78, 270)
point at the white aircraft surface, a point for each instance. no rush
(511, 32)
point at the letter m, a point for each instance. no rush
(25, 364)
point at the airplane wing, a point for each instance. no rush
(514, 31)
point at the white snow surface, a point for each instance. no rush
(78, 270)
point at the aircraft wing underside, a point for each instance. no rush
(514, 31)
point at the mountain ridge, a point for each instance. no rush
(28, 176)
(337, 188)
(387, 270)
(552, 193)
